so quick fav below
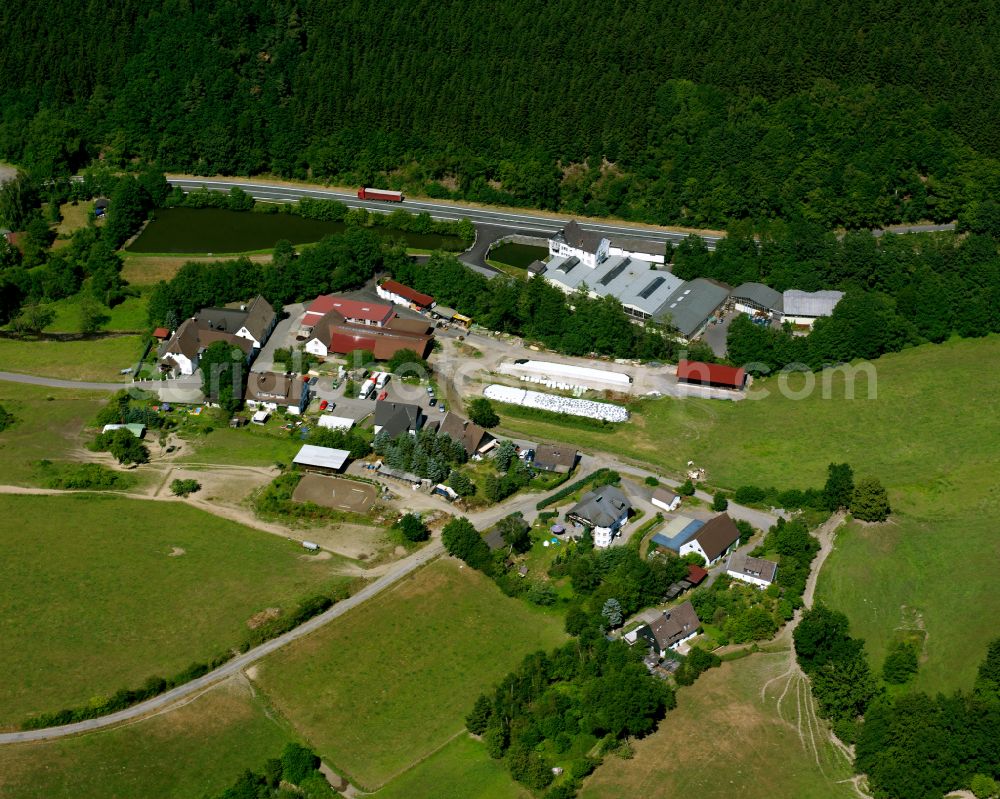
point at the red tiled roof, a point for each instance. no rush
(349, 309)
(161, 332)
(696, 574)
(714, 373)
(343, 343)
(406, 292)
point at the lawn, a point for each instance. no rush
(49, 425)
(100, 359)
(128, 316)
(722, 740)
(101, 592)
(252, 445)
(391, 682)
(932, 436)
(461, 767)
(197, 749)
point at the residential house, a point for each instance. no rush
(670, 630)
(473, 438)
(399, 294)
(666, 499)
(253, 321)
(353, 312)
(558, 459)
(714, 540)
(397, 417)
(756, 571)
(182, 352)
(270, 391)
(605, 510)
(334, 334)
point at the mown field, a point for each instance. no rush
(49, 424)
(128, 315)
(391, 682)
(723, 741)
(101, 592)
(932, 435)
(194, 750)
(100, 359)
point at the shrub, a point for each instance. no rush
(719, 502)
(6, 418)
(651, 481)
(297, 763)
(182, 488)
(412, 528)
(686, 489)
(900, 663)
(749, 495)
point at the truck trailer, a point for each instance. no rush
(367, 193)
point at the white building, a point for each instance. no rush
(803, 308)
(756, 571)
(714, 540)
(324, 459)
(666, 499)
(605, 510)
(593, 248)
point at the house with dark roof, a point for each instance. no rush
(271, 390)
(397, 417)
(474, 439)
(753, 298)
(558, 459)
(713, 540)
(253, 321)
(716, 375)
(691, 306)
(605, 510)
(181, 354)
(756, 571)
(668, 631)
(666, 499)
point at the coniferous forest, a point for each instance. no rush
(852, 113)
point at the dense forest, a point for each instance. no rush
(854, 113)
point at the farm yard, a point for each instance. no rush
(336, 493)
(125, 599)
(405, 668)
(196, 750)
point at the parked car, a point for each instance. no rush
(313, 381)
(323, 405)
(383, 395)
(433, 401)
(430, 390)
(442, 408)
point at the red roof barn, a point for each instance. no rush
(711, 374)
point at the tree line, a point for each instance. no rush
(842, 114)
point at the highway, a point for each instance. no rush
(510, 221)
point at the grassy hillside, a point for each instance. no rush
(101, 592)
(724, 740)
(196, 750)
(932, 435)
(97, 359)
(391, 682)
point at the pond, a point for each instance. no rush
(519, 255)
(219, 230)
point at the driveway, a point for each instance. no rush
(283, 335)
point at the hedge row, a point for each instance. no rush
(126, 697)
(600, 477)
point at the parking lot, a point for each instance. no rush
(336, 493)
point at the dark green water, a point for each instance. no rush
(519, 255)
(217, 230)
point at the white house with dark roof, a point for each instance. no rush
(669, 630)
(713, 540)
(756, 571)
(605, 510)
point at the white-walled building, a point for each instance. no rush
(605, 510)
(666, 499)
(756, 571)
(713, 541)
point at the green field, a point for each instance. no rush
(129, 315)
(391, 682)
(99, 359)
(194, 750)
(252, 445)
(723, 741)
(49, 425)
(460, 768)
(101, 592)
(932, 436)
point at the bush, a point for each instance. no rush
(6, 418)
(182, 488)
(719, 502)
(686, 489)
(749, 495)
(297, 763)
(983, 786)
(900, 663)
(651, 481)
(84, 477)
(413, 528)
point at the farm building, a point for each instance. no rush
(321, 459)
(668, 631)
(353, 312)
(713, 540)
(756, 571)
(270, 391)
(666, 499)
(331, 422)
(397, 417)
(367, 328)
(752, 298)
(560, 460)
(473, 438)
(566, 376)
(605, 510)
(138, 430)
(803, 308)
(711, 374)
(398, 294)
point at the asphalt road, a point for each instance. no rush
(505, 221)
(394, 575)
(50, 382)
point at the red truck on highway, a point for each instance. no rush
(380, 194)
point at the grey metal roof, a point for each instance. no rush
(602, 507)
(810, 303)
(692, 304)
(632, 281)
(635, 244)
(759, 294)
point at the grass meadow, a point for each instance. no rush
(128, 316)
(391, 682)
(101, 592)
(197, 749)
(723, 740)
(932, 436)
(99, 359)
(49, 426)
